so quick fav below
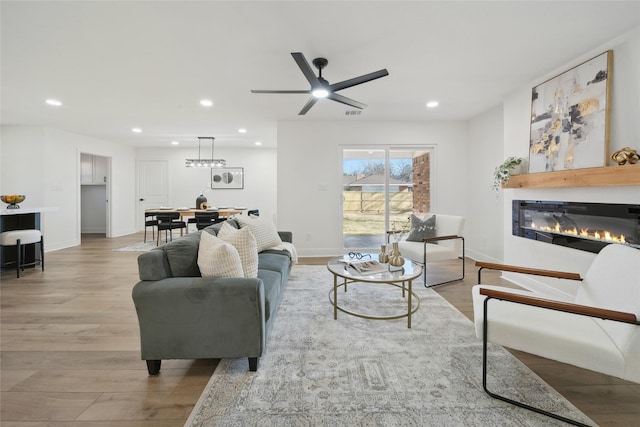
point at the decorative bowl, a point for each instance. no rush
(12, 200)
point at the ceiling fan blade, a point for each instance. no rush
(306, 68)
(310, 103)
(359, 80)
(280, 91)
(347, 101)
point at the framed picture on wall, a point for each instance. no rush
(570, 118)
(231, 178)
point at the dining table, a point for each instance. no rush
(223, 212)
(189, 212)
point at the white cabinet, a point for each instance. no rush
(93, 170)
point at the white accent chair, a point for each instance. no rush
(447, 244)
(20, 238)
(598, 329)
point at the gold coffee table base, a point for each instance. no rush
(365, 316)
(399, 277)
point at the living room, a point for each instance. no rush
(302, 157)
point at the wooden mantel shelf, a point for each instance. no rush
(589, 177)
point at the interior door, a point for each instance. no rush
(153, 183)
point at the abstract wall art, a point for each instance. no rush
(570, 118)
(229, 178)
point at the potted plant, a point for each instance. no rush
(503, 172)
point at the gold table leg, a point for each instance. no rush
(408, 302)
(335, 297)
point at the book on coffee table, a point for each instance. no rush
(365, 266)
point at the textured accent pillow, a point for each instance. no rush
(246, 246)
(263, 230)
(217, 258)
(421, 229)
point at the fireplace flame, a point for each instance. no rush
(584, 233)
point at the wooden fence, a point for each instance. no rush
(366, 202)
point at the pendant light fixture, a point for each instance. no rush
(205, 163)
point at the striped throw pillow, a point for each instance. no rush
(245, 244)
(217, 258)
(263, 230)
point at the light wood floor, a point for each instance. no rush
(70, 350)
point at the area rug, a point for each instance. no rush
(318, 371)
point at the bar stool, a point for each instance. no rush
(20, 238)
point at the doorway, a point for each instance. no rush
(94, 194)
(382, 187)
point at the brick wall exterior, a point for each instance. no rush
(421, 184)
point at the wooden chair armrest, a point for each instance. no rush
(525, 270)
(435, 239)
(567, 307)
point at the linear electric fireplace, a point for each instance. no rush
(584, 226)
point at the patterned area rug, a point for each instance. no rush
(318, 371)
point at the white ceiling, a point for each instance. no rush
(119, 65)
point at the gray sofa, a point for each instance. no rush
(183, 315)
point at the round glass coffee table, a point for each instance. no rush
(401, 277)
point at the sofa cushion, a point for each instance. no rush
(421, 229)
(182, 255)
(272, 288)
(246, 245)
(263, 230)
(275, 261)
(217, 258)
(416, 250)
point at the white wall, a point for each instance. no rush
(625, 131)
(44, 164)
(185, 184)
(484, 230)
(310, 173)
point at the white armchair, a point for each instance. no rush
(445, 242)
(597, 330)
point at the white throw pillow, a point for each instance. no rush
(246, 245)
(217, 258)
(263, 230)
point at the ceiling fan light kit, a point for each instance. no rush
(320, 87)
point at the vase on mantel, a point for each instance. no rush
(395, 259)
(383, 258)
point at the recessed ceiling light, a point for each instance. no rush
(258, 142)
(175, 143)
(206, 102)
(136, 130)
(432, 104)
(53, 102)
(242, 130)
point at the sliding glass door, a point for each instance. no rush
(381, 188)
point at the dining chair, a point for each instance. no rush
(168, 222)
(205, 219)
(150, 220)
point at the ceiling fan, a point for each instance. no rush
(320, 88)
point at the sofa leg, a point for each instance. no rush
(153, 366)
(253, 364)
